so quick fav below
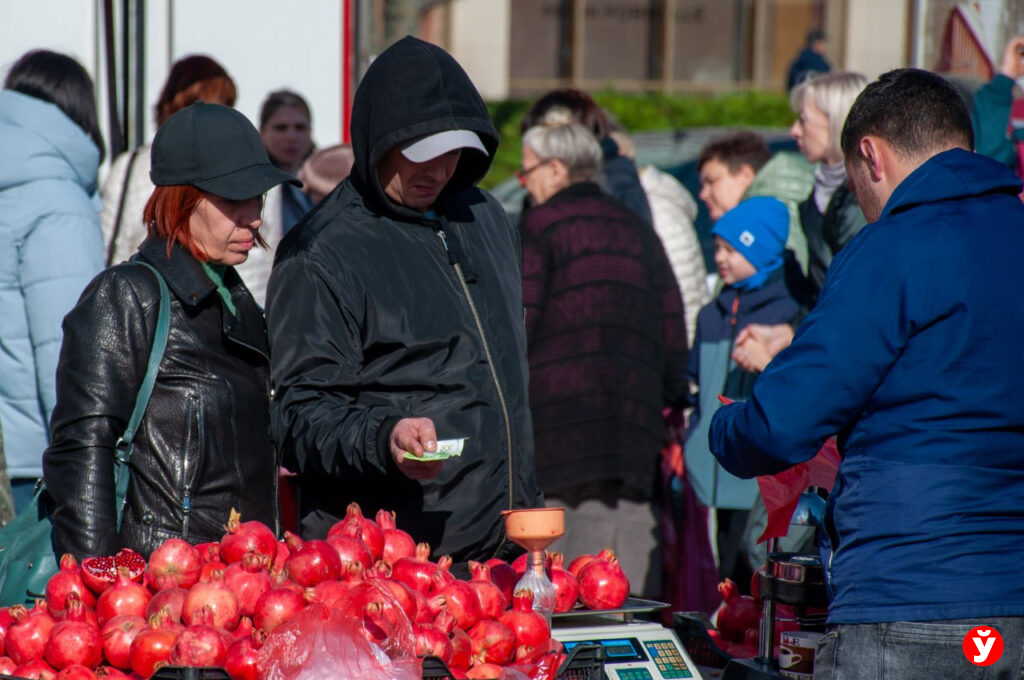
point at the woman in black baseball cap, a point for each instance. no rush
(203, 444)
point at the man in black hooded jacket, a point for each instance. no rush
(396, 320)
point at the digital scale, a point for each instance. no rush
(635, 650)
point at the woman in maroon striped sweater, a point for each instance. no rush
(607, 350)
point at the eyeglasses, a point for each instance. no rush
(522, 173)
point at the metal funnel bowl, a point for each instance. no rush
(534, 529)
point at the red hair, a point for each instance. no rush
(168, 215)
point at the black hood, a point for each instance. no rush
(414, 89)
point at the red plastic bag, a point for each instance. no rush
(318, 644)
(781, 492)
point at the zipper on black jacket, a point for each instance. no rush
(186, 498)
(490, 362)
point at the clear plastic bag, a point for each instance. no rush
(318, 644)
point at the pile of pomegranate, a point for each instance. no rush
(216, 604)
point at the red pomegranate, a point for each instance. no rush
(492, 642)
(152, 647)
(354, 524)
(485, 671)
(397, 543)
(76, 672)
(248, 580)
(442, 576)
(503, 575)
(7, 665)
(352, 552)
(461, 601)
(737, 612)
(415, 571)
(67, 580)
(379, 613)
(99, 573)
(208, 552)
(215, 597)
(311, 562)
(603, 584)
(174, 564)
(36, 670)
(430, 641)
(74, 642)
(26, 638)
(118, 634)
(530, 628)
(240, 658)
(173, 598)
(492, 601)
(462, 650)
(198, 646)
(276, 606)
(244, 537)
(567, 589)
(124, 597)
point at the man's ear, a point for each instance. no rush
(747, 172)
(873, 156)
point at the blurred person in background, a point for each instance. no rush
(739, 166)
(673, 211)
(993, 134)
(50, 241)
(607, 350)
(830, 216)
(750, 257)
(324, 170)
(285, 128)
(203, 446)
(811, 60)
(128, 186)
(619, 173)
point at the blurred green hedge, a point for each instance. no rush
(638, 112)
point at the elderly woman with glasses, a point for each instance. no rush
(607, 349)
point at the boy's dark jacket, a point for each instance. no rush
(711, 368)
(369, 323)
(913, 356)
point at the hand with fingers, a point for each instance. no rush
(414, 435)
(757, 344)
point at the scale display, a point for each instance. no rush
(634, 651)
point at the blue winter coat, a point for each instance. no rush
(913, 356)
(711, 367)
(50, 248)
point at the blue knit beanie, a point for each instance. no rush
(757, 228)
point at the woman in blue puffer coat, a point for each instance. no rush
(50, 241)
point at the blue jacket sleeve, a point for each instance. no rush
(818, 385)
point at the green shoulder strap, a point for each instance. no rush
(123, 448)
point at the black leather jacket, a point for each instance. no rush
(203, 446)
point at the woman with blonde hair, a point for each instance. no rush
(830, 216)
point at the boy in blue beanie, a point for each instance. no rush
(750, 242)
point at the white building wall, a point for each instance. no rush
(264, 44)
(876, 36)
(480, 43)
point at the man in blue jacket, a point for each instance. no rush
(912, 357)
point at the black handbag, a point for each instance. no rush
(27, 560)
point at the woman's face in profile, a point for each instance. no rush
(287, 137)
(226, 230)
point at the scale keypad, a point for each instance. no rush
(667, 658)
(633, 674)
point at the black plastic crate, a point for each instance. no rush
(693, 633)
(173, 673)
(584, 662)
(190, 673)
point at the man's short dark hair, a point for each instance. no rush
(813, 36)
(915, 111)
(736, 150)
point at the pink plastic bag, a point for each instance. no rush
(318, 644)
